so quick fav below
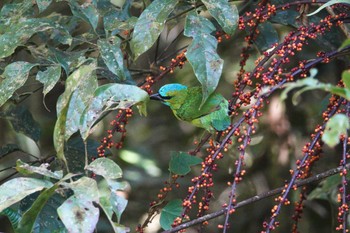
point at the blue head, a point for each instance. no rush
(168, 91)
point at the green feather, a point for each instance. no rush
(186, 105)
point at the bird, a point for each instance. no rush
(186, 104)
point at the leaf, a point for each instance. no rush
(13, 77)
(22, 121)
(16, 189)
(345, 77)
(78, 215)
(86, 12)
(17, 34)
(49, 78)
(119, 204)
(106, 168)
(286, 17)
(85, 187)
(150, 24)
(224, 13)
(28, 219)
(113, 57)
(110, 97)
(327, 4)
(201, 53)
(7, 149)
(26, 169)
(326, 189)
(79, 100)
(345, 44)
(43, 4)
(337, 125)
(181, 163)
(267, 36)
(13, 216)
(172, 210)
(73, 81)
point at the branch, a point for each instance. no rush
(259, 197)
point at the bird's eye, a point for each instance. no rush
(166, 97)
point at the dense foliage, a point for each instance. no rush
(76, 158)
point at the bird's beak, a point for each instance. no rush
(156, 96)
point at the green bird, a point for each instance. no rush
(186, 105)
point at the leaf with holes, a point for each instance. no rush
(79, 215)
(27, 169)
(150, 24)
(106, 168)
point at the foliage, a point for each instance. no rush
(86, 59)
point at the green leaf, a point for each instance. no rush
(345, 44)
(119, 204)
(267, 36)
(22, 121)
(49, 78)
(337, 125)
(224, 13)
(106, 168)
(26, 169)
(327, 4)
(286, 17)
(14, 77)
(150, 24)
(171, 211)
(201, 53)
(113, 57)
(16, 189)
(43, 4)
(28, 219)
(110, 97)
(12, 215)
(196, 25)
(181, 163)
(68, 60)
(86, 12)
(345, 77)
(79, 100)
(17, 34)
(327, 189)
(73, 81)
(7, 149)
(79, 215)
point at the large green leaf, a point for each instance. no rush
(16, 189)
(17, 34)
(172, 210)
(201, 53)
(28, 219)
(150, 24)
(113, 57)
(109, 97)
(72, 83)
(13, 77)
(224, 13)
(105, 167)
(181, 163)
(79, 215)
(337, 125)
(22, 121)
(49, 78)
